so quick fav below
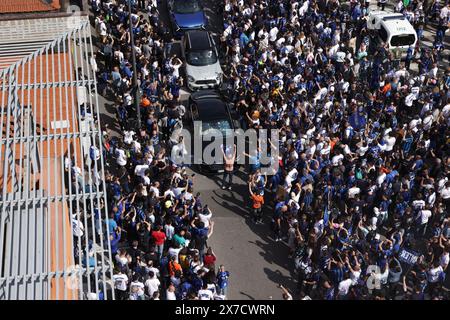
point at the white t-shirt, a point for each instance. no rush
(325, 150)
(140, 170)
(175, 67)
(212, 288)
(102, 28)
(170, 295)
(153, 269)
(444, 13)
(128, 136)
(418, 204)
(335, 160)
(381, 178)
(355, 277)
(205, 294)
(121, 157)
(77, 227)
(344, 286)
(205, 218)
(414, 123)
(362, 150)
(424, 216)
(319, 227)
(311, 150)
(155, 191)
(137, 288)
(188, 196)
(445, 193)
(291, 176)
(169, 231)
(120, 281)
(384, 276)
(273, 34)
(390, 142)
(152, 285)
(178, 151)
(353, 191)
(169, 193)
(427, 122)
(433, 274)
(121, 260)
(446, 110)
(444, 259)
(173, 252)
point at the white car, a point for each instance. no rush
(393, 29)
(201, 58)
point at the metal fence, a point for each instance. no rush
(54, 238)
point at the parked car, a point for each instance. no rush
(393, 29)
(203, 70)
(186, 15)
(210, 108)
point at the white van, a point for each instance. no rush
(393, 29)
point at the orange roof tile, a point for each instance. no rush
(21, 6)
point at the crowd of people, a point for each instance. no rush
(363, 143)
(159, 226)
(363, 163)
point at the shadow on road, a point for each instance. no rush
(274, 253)
(277, 277)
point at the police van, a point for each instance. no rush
(391, 28)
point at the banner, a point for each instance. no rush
(408, 256)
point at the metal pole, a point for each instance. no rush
(135, 81)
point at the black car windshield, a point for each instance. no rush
(186, 6)
(403, 40)
(201, 58)
(222, 125)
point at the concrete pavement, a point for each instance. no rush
(256, 262)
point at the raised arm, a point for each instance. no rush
(211, 230)
(250, 189)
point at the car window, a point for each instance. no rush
(201, 58)
(403, 40)
(186, 6)
(221, 125)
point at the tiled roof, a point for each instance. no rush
(21, 6)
